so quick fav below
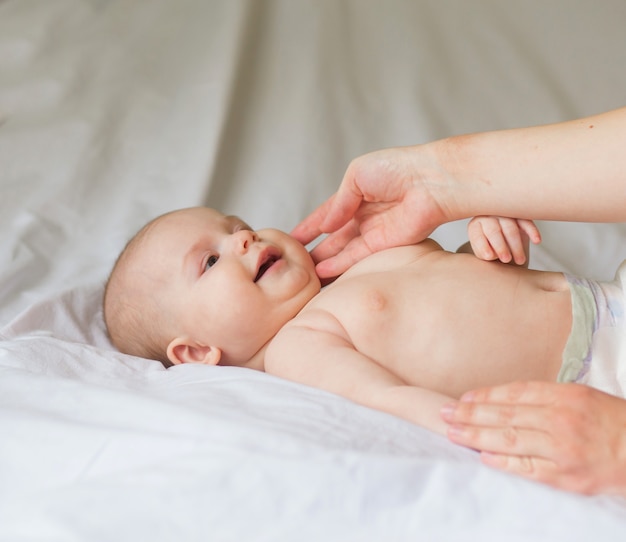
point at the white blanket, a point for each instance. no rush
(114, 111)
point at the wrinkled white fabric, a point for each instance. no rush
(114, 111)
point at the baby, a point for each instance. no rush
(402, 331)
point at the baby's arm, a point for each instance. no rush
(323, 359)
(501, 238)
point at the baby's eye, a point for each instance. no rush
(211, 261)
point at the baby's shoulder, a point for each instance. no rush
(302, 338)
(317, 317)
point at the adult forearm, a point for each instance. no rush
(572, 171)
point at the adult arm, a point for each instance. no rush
(569, 436)
(572, 171)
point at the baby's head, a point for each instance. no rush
(195, 286)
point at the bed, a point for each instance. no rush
(115, 111)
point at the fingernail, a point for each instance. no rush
(455, 431)
(467, 397)
(491, 459)
(447, 411)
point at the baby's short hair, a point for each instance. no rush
(133, 318)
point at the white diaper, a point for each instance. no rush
(595, 353)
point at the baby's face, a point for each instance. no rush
(224, 285)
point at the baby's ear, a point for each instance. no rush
(182, 350)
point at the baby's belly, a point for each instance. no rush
(451, 332)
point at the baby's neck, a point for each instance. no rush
(256, 362)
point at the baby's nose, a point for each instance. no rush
(244, 239)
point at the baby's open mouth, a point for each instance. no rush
(271, 260)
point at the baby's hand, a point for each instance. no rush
(501, 238)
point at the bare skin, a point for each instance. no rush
(570, 171)
(407, 328)
(404, 331)
(564, 439)
(398, 196)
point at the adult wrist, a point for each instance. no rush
(461, 190)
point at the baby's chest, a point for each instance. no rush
(378, 310)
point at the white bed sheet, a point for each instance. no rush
(113, 111)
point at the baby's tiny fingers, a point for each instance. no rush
(530, 229)
(499, 245)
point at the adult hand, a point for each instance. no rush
(384, 200)
(569, 436)
(567, 171)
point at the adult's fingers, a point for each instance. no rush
(310, 229)
(335, 242)
(496, 414)
(343, 204)
(567, 435)
(331, 215)
(354, 251)
(505, 439)
(530, 392)
(588, 481)
(533, 468)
